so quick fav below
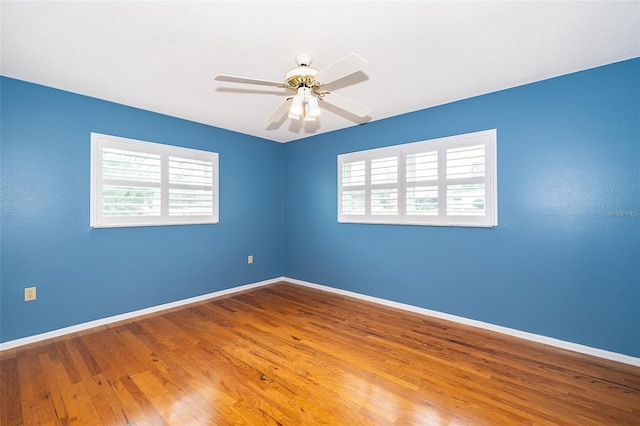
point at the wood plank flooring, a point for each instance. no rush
(290, 355)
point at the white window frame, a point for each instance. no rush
(487, 138)
(97, 220)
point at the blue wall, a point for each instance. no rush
(565, 259)
(83, 274)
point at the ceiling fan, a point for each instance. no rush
(307, 83)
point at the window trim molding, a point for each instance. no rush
(486, 137)
(98, 141)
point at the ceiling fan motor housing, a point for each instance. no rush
(302, 75)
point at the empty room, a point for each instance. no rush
(319, 213)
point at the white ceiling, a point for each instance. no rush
(163, 56)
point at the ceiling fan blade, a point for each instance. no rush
(344, 67)
(346, 104)
(236, 79)
(280, 111)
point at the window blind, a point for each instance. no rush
(449, 181)
(137, 183)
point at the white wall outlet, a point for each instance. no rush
(250, 259)
(29, 294)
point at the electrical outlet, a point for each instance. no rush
(29, 294)
(250, 258)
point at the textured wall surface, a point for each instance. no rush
(564, 261)
(83, 274)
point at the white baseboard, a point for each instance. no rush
(110, 320)
(600, 353)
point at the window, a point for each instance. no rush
(447, 182)
(135, 183)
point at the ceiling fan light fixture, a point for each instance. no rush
(302, 80)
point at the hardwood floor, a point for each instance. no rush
(290, 355)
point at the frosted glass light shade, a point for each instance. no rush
(297, 108)
(313, 110)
